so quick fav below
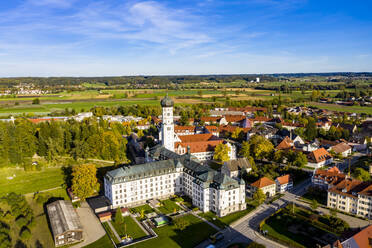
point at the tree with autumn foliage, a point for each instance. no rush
(84, 180)
(221, 152)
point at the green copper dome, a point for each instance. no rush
(166, 102)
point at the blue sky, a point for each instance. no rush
(117, 37)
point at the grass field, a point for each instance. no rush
(341, 108)
(31, 181)
(145, 207)
(168, 207)
(103, 242)
(170, 237)
(222, 222)
(130, 227)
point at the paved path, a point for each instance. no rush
(92, 228)
(244, 230)
(114, 230)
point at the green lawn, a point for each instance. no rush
(170, 237)
(103, 242)
(130, 227)
(30, 181)
(145, 207)
(222, 222)
(168, 207)
(341, 108)
(109, 232)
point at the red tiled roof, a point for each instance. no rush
(198, 137)
(230, 129)
(201, 146)
(38, 120)
(284, 179)
(262, 182)
(260, 119)
(211, 129)
(285, 144)
(349, 187)
(320, 155)
(363, 238)
(234, 118)
(181, 129)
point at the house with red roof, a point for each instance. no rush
(267, 186)
(362, 239)
(318, 158)
(326, 179)
(284, 183)
(286, 144)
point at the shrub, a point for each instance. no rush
(25, 233)
(21, 221)
(181, 223)
(195, 209)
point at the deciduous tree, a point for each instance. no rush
(84, 180)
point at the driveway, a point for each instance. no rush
(92, 228)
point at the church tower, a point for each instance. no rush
(167, 129)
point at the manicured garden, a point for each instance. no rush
(170, 236)
(222, 222)
(128, 227)
(145, 208)
(168, 206)
(300, 227)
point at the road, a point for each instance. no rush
(345, 163)
(245, 229)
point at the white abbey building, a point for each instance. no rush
(170, 173)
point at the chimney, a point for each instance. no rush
(188, 150)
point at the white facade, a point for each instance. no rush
(178, 180)
(167, 130)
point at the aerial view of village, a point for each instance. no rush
(185, 124)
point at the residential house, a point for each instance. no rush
(283, 183)
(342, 148)
(286, 144)
(65, 223)
(236, 168)
(325, 179)
(267, 186)
(267, 131)
(319, 158)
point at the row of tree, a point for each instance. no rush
(21, 140)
